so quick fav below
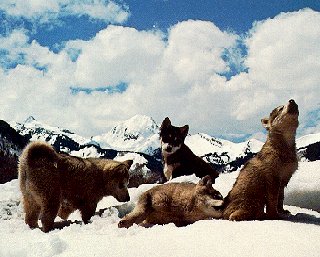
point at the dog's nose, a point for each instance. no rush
(291, 101)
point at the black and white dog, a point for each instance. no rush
(178, 159)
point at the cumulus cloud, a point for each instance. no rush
(177, 74)
(283, 60)
(117, 54)
(45, 11)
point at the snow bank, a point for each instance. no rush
(297, 236)
(304, 187)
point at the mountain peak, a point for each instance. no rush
(29, 119)
(139, 123)
(139, 133)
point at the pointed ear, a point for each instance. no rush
(128, 163)
(265, 123)
(166, 123)
(184, 130)
(206, 181)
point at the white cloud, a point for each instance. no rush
(117, 54)
(45, 11)
(175, 75)
(284, 51)
(283, 60)
(194, 50)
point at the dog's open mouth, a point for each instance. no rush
(218, 208)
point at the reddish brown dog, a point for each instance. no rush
(49, 181)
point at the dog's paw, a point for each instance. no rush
(124, 224)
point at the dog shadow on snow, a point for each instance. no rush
(122, 211)
(304, 199)
(304, 218)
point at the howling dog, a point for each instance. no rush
(178, 159)
(262, 180)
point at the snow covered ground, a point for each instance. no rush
(298, 236)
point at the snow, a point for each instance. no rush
(298, 236)
(137, 134)
(202, 144)
(41, 131)
(307, 140)
(86, 152)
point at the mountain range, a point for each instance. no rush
(136, 138)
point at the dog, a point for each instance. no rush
(51, 182)
(178, 159)
(262, 180)
(178, 203)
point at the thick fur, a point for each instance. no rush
(178, 159)
(178, 203)
(49, 181)
(262, 180)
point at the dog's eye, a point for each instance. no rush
(122, 185)
(218, 196)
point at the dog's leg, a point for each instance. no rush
(32, 210)
(137, 216)
(48, 213)
(87, 211)
(273, 191)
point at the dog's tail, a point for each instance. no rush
(39, 154)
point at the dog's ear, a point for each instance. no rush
(265, 123)
(166, 123)
(206, 181)
(128, 163)
(184, 130)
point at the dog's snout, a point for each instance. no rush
(291, 101)
(169, 148)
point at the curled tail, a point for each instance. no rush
(37, 154)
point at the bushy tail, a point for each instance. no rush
(38, 154)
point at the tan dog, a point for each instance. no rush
(179, 203)
(262, 180)
(49, 181)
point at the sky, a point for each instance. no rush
(219, 66)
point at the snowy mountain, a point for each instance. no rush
(138, 139)
(11, 145)
(223, 154)
(308, 147)
(145, 169)
(141, 134)
(138, 134)
(61, 139)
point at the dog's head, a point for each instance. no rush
(172, 137)
(208, 199)
(283, 119)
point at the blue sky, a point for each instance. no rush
(234, 15)
(217, 65)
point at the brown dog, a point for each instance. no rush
(49, 181)
(262, 180)
(179, 203)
